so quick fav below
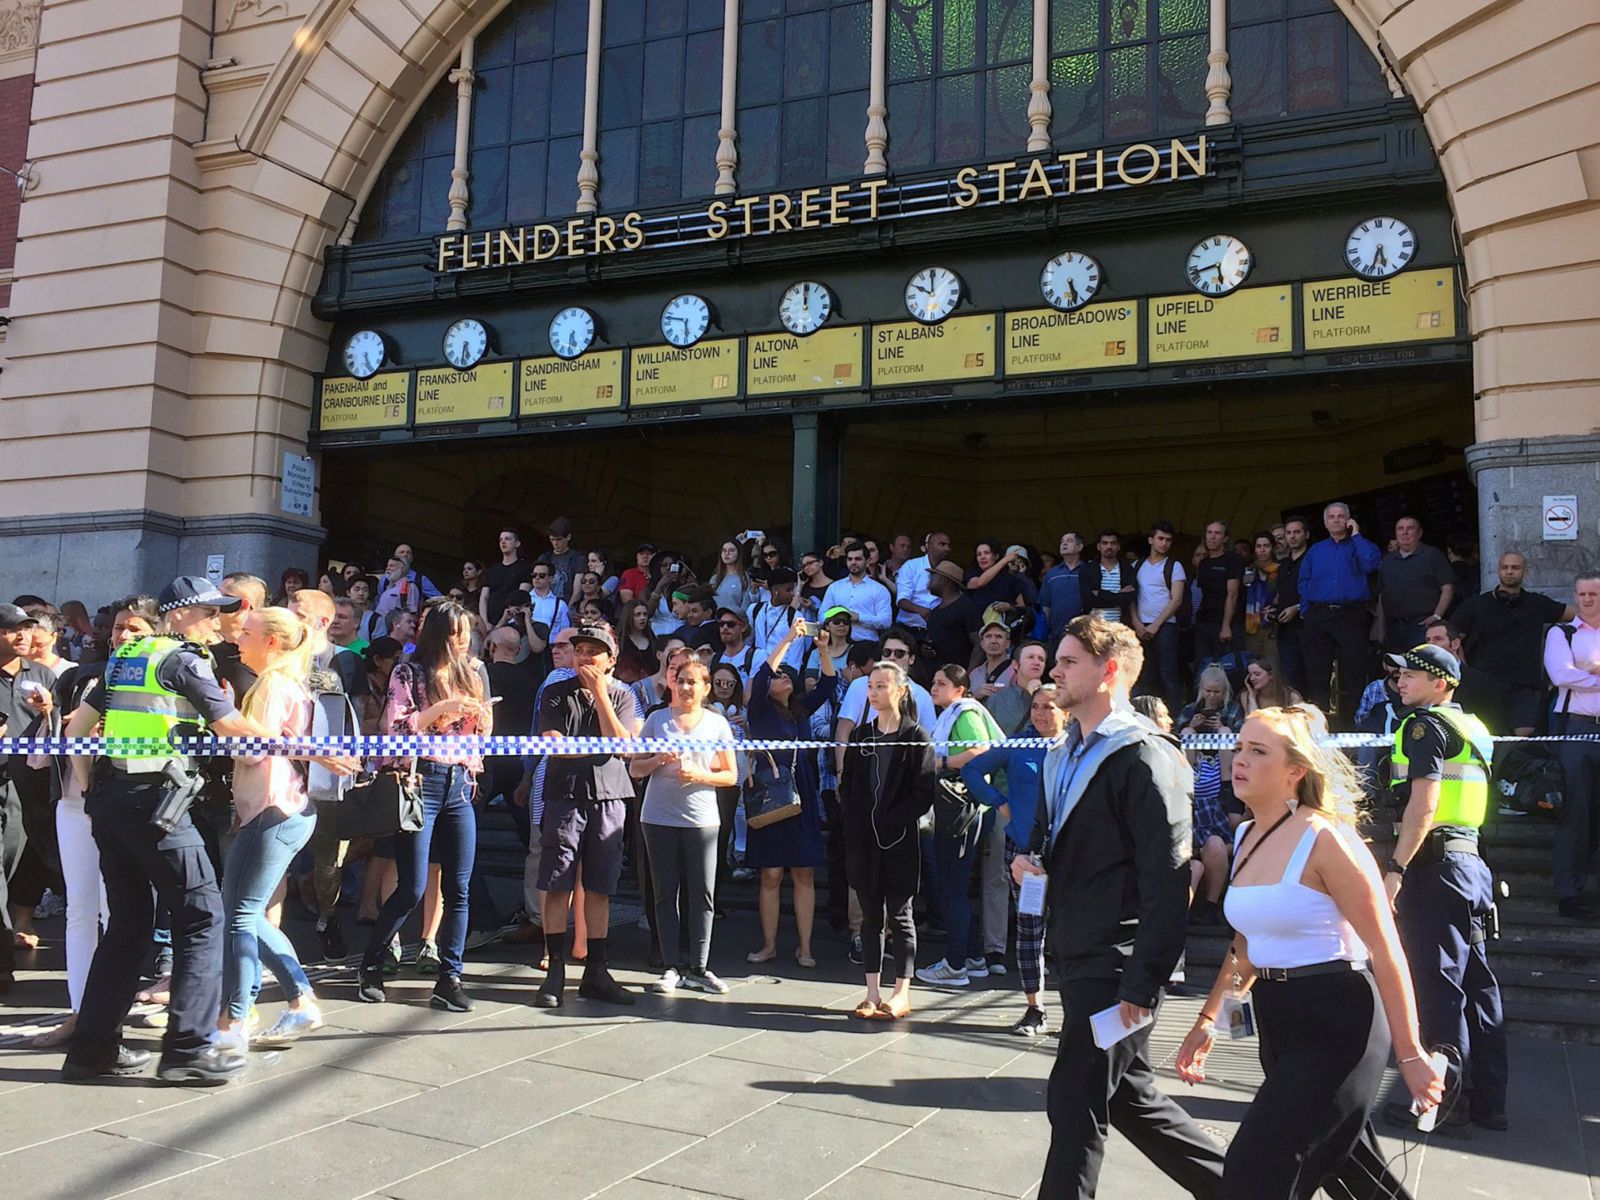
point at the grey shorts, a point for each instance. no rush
(586, 832)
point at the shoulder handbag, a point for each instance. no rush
(772, 796)
(387, 802)
(955, 812)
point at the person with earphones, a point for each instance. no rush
(1316, 968)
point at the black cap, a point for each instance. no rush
(650, 546)
(778, 576)
(12, 617)
(1435, 660)
(598, 634)
(195, 589)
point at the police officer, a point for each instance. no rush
(1441, 887)
(153, 686)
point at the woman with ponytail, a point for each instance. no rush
(274, 822)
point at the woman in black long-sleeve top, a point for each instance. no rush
(887, 784)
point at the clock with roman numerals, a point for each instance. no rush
(1380, 247)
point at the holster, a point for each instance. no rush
(177, 797)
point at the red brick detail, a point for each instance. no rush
(16, 108)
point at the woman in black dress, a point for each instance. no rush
(886, 785)
(780, 709)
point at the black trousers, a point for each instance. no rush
(902, 927)
(13, 840)
(833, 848)
(1093, 1089)
(1580, 805)
(1324, 1045)
(138, 862)
(1440, 914)
(1336, 635)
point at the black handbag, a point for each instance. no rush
(772, 796)
(955, 812)
(388, 802)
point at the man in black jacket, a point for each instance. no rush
(1113, 835)
(1108, 586)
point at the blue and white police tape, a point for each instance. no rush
(457, 745)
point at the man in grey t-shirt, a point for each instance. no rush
(1416, 585)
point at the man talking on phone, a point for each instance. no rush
(1113, 837)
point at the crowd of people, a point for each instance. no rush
(905, 684)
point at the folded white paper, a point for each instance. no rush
(1109, 1029)
(1030, 902)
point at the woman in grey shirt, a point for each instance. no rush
(680, 822)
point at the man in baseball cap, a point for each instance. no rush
(586, 811)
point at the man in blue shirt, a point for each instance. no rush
(1060, 595)
(1336, 607)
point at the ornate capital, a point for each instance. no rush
(249, 12)
(19, 27)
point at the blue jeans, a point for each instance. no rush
(451, 827)
(957, 859)
(260, 854)
(1160, 675)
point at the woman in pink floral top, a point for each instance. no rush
(439, 690)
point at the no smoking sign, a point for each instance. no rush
(1560, 519)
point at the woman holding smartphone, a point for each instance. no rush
(1317, 951)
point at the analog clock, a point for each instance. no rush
(685, 319)
(364, 353)
(465, 343)
(805, 307)
(1070, 280)
(1380, 247)
(1219, 264)
(571, 331)
(932, 294)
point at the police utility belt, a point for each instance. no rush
(1444, 840)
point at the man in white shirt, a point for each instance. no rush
(871, 610)
(545, 606)
(1572, 660)
(911, 584)
(1155, 617)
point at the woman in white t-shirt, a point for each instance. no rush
(680, 822)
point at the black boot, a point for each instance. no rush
(597, 982)
(370, 988)
(555, 978)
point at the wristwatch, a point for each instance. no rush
(1394, 867)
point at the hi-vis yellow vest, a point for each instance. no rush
(1464, 786)
(137, 706)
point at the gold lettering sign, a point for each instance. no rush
(564, 385)
(668, 375)
(1042, 341)
(1415, 306)
(447, 395)
(376, 403)
(1014, 181)
(1251, 323)
(909, 352)
(778, 363)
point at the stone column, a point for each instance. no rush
(1513, 476)
(728, 135)
(589, 169)
(1039, 100)
(877, 111)
(460, 194)
(1219, 84)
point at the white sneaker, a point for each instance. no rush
(668, 983)
(50, 905)
(291, 1025)
(703, 981)
(942, 974)
(977, 968)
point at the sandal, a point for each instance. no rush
(865, 1011)
(761, 956)
(890, 1011)
(805, 960)
(24, 940)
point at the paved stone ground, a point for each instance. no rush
(770, 1092)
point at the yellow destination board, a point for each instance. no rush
(1043, 341)
(446, 395)
(1415, 306)
(909, 352)
(345, 402)
(668, 375)
(1251, 323)
(563, 385)
(776, 363)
